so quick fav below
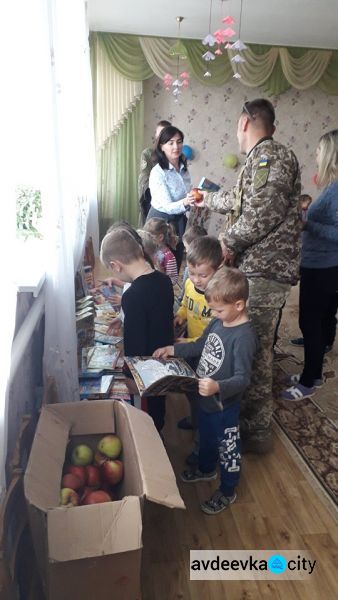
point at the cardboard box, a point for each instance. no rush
(94, 551)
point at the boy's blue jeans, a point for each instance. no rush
(219, 437)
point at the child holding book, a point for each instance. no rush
(166, 239)
(147, 304)
(226, 350)
(204, 257)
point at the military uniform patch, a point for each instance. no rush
(262, 173)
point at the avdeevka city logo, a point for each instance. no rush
(277, 563)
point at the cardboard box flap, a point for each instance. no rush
(43, 473)
(95, 530)
(87, 416)
(159, 482)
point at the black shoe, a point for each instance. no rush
(184, 423)
(297, 341)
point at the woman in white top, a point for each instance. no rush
(169, 183)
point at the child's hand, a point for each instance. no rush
(208, 386)
(115, 326)
(115, 299)
(164, 352)
(178, 320)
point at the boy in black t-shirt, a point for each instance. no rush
(226, 350)
(147, 304)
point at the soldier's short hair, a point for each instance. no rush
(228, 285)
(328, 158)
(260, 110)
(205, 249)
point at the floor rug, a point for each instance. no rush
(311, 425)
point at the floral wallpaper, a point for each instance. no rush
(208, 117)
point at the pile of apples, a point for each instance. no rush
(91, 478)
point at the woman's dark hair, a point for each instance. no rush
(158, 155)
(163, 123)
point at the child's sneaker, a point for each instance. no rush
(192, 459)
(294, 379)
(217, 503)
(297, 392)
(197, 475)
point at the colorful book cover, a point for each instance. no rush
(98, 388)
(208, 185)
(102, 357)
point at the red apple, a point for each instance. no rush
(99, 459)
(71, 481)
(68, 497)
(197, 195)
(96, 497)
(105, 487)
(85, 492)
(80, 472)
(82, 455)
(112, 471)
(93, 476)
(110, 446)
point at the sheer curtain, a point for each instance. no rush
(70, 188)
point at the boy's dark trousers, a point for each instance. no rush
(219, 437)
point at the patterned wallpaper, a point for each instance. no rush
(208, 117)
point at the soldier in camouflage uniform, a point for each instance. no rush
(263, 240)
(146, 164)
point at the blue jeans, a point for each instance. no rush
(219, 437)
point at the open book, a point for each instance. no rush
(207, 185)
(157, 376)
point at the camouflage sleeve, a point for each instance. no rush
(267, 201)
(145, 168)
(221, 202)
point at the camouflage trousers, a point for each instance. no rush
(266, 298)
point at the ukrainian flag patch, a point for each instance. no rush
(263, 163)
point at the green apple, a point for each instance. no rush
(68, 497)
(110, 446)
(82, 455)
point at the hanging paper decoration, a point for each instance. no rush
(181, 80)
(230, 161)
(228, 20)
(238, 45)
(209, 40)
(208, 56)
(188, 152)
(207, 74)
(237, 59)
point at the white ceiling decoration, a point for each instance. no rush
(305, 23)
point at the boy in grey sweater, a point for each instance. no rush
(226, 350)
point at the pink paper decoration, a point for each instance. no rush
(228, 20)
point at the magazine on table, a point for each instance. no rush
(96, 388)
(157, 376)
(104, 338)
(102, 357)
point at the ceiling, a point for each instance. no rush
(307, 23)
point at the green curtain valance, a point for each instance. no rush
(270, 67)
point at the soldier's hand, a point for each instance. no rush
(228, 255)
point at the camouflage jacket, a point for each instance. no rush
(146, 164)
(264, 226)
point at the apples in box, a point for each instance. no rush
(95, 550)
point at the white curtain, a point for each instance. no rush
(69, 189)
(115, 96)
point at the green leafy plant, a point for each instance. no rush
(28, 213)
